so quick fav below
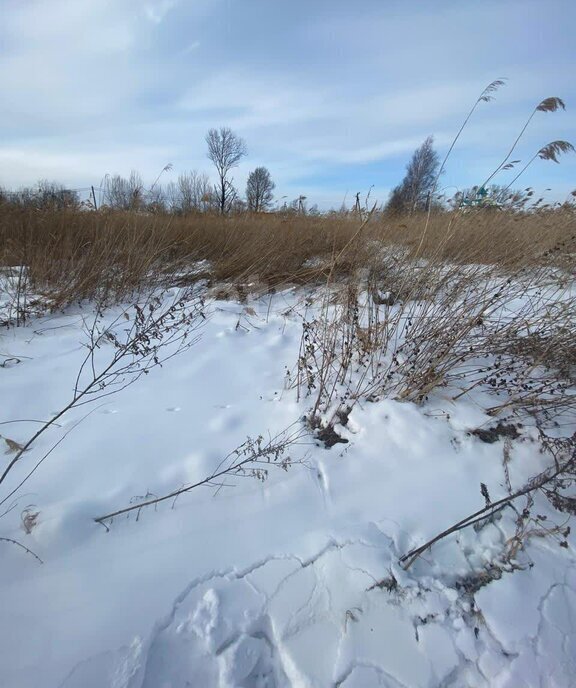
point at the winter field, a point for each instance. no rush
(280, 442)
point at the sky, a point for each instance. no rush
(331, 96)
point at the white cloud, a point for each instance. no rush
(27, 164)
(106, 86)
(156, 11)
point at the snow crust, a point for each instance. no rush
(290, 582)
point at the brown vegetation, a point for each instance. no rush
(76, 254)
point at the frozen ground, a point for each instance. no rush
(293, 581)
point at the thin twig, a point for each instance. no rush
(19, 544)
(277, 444)
(408, 559)
(27, 420)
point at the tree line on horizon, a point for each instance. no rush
(193, 191)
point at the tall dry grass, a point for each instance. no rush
(71, 255)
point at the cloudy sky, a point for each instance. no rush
(331, 95)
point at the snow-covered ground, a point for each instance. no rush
(293, 581)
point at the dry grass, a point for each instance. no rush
(107, 255)
(72, 255)
(413, 304)
(492, 237)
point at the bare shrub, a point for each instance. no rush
(46, 195)
(118, 354)
(404, 328)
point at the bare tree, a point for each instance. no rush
(237, 206)
(124, 194)
(194, 189)
(414, 192)
(46, 195)
(53, 195)
(156, 199)
(259, 190)
(225, 150)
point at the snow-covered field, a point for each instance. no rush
(290, 581)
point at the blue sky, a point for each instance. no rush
(331, 96)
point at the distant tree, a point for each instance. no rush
(238, 206)
(396, 203)
(210, 200)
(190, 193)
(415, 190)
(171, 194)
(259, 190)
(225, 150)
(46, 195)
(156, 199)
(124, 194)
(28, 196)
(55, 195)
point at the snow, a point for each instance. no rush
(293, 581)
